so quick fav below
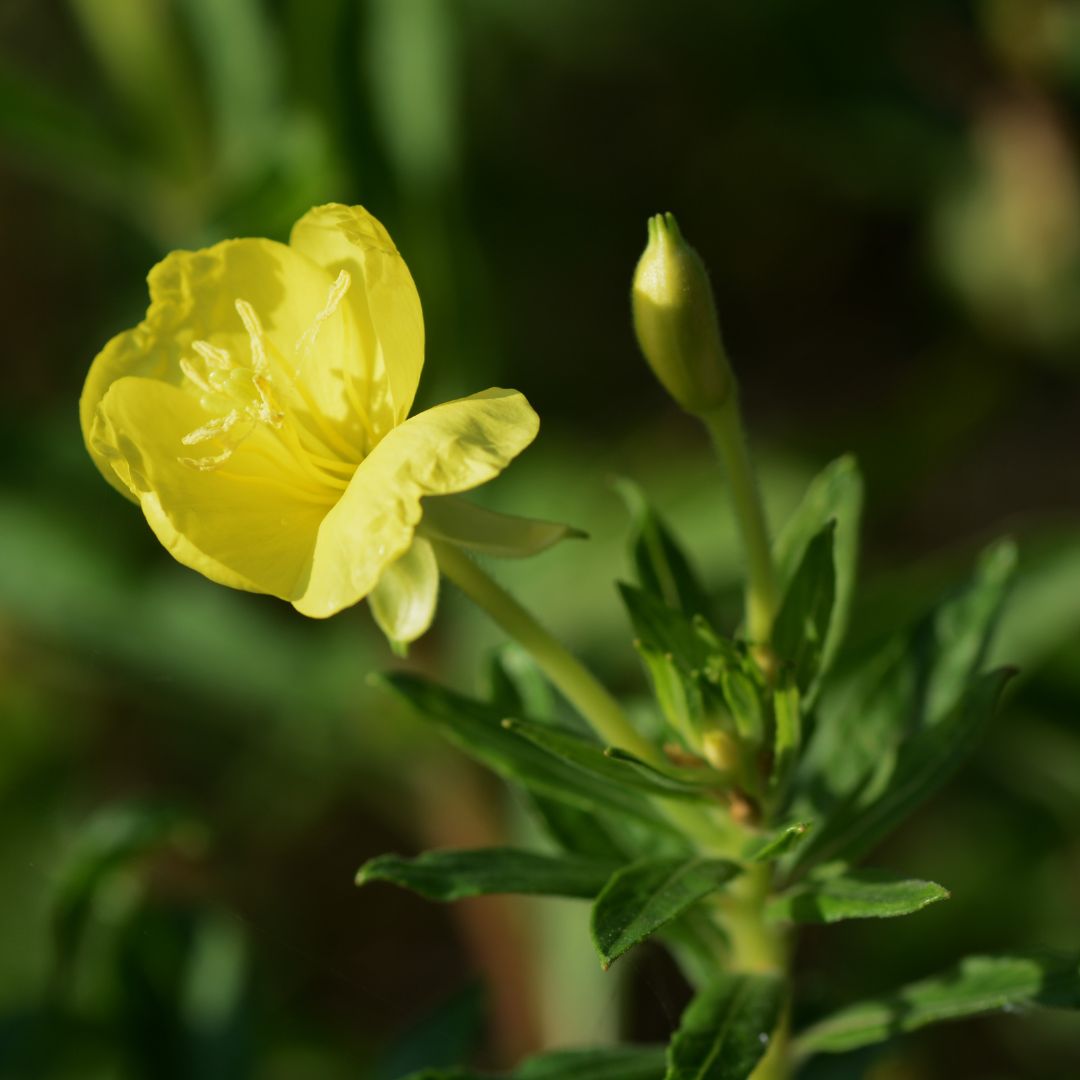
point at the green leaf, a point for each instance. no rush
(862, 894)
(642, 897)
(577, 831)
(802, 624)
(516, 685)
(458, 521)
(109, 841)
(867, 722)
(743, 698)
(476, 728)
(662, 569)
(787, 737)
(978, 984)
(612, 1063)
(922, 765)
(609, 1063)
(666, 630)
(775, 844)
(726, 1029)
(614, 765)
(836, 494)
(453, 875)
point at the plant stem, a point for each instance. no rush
(580, 687)
(762, 593)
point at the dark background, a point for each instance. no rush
(888, 198)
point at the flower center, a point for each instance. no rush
(269, 393)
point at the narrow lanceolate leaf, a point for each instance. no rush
(726, 1029)
(476, 728)
(912, 685)
(922, 765)
(861, 894)
(802, 624)
(617, 767)
(611, 1063)
(578, 832)
(662, 568)
(454, 519)
(453, 875)
(787, 738)
(979, 984)
(775, 844)
(836, 494)
(640, 898)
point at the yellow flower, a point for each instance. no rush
(259, 416)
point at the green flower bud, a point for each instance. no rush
(675, 320)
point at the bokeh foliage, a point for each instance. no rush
(889, 201)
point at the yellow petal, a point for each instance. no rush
(193, 298)
(250, 523)
(403, 602)
(450, 448)
(384, 300)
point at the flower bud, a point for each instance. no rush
(675, 320)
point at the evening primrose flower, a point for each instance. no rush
(259, 415)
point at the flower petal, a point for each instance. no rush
(193, 298)
(384, 300)
(450, 448)
(403, 602)
(250, 523)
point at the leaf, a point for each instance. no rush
(725, 1030)
(458, 521)
(978, 984)
(662, 569)
(109, 841)
(774, 845)
(787, 738)
(453, 875)
(923, 764)
(477, 729)
(611, 1063)
(516, 685)
(642, 897)
(836, 494)
(616, 766)
(450, 1032)
(576, 831)
(747, 709)
(863, 894)
(802, 624)
(664, 629)
(866, 723)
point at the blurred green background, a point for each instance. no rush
(888, 197)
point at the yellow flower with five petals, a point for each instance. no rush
(259, 416)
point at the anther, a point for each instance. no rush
(337, 293)
(212, 354)
(219, 426)
(188, 368)
(255, 336)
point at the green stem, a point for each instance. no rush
(580, 687)
(762, 593)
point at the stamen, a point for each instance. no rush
(220, 426)
(255, 336)
(207, 464)
(267, 410)
(188, 368)
(337, 292)
(212, 354)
